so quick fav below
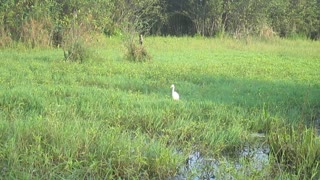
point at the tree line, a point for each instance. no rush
(47, 21)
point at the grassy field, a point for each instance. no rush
(109, 118)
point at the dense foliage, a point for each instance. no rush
(44, 22)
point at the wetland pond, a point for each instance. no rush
(250, 159)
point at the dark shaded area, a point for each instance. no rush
(57, 37)
(179, 25)
(314, 35)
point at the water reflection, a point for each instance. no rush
(250, 159)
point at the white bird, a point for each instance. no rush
(175, 95)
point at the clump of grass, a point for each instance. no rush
(75, 40)
(39, 148)
(136, 52)
(76, 51)
(296, 150)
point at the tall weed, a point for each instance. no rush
(37, 33)
(296, 150)
(5, 39)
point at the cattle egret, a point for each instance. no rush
(175, 95)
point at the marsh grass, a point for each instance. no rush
(111, 118)
(296, 150)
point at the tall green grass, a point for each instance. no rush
(111, 118)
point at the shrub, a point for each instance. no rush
(136, 52)
(75, 51)
(74, 42)
(297, 150)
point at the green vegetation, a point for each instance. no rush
(75, 104)
(48, 22)
(112, 118)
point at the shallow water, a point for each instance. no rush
(247, 160)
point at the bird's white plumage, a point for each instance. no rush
(175, 95)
